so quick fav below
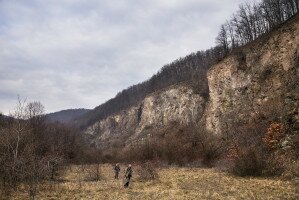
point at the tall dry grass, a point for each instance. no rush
(173, 183)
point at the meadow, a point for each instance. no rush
(172, 183)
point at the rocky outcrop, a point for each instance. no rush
(175, 104)
(258, 81)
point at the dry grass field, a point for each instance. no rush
(173, 183)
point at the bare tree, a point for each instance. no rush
(222, 39)
(253, 20)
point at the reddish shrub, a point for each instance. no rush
(275, 133)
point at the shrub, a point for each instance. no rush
(259, 152)
(275, 164)
(275, 133)
(93, 173)
(211, 151)
(296, 146)
(147, 172)
(292, 171)
(249, 163)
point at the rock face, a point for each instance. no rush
(259, 80)
(175, 104)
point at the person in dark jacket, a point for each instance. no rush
(116, 171)
(128, 175)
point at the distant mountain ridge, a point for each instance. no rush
(5, 116)
(66, 116)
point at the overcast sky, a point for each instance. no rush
(80, 53)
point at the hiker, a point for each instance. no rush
(116, 171)
(128, 175)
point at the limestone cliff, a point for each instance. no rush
(258, 81)
(175, 104)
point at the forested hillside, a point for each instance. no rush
(65, 116)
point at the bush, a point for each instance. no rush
(93, 173)
(249, 163)
(275, 165)
(274, 135)
(292, 171)
(259, 151)
(211, 149)
(147, 172)
(296, 146)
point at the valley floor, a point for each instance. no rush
(174, 183)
